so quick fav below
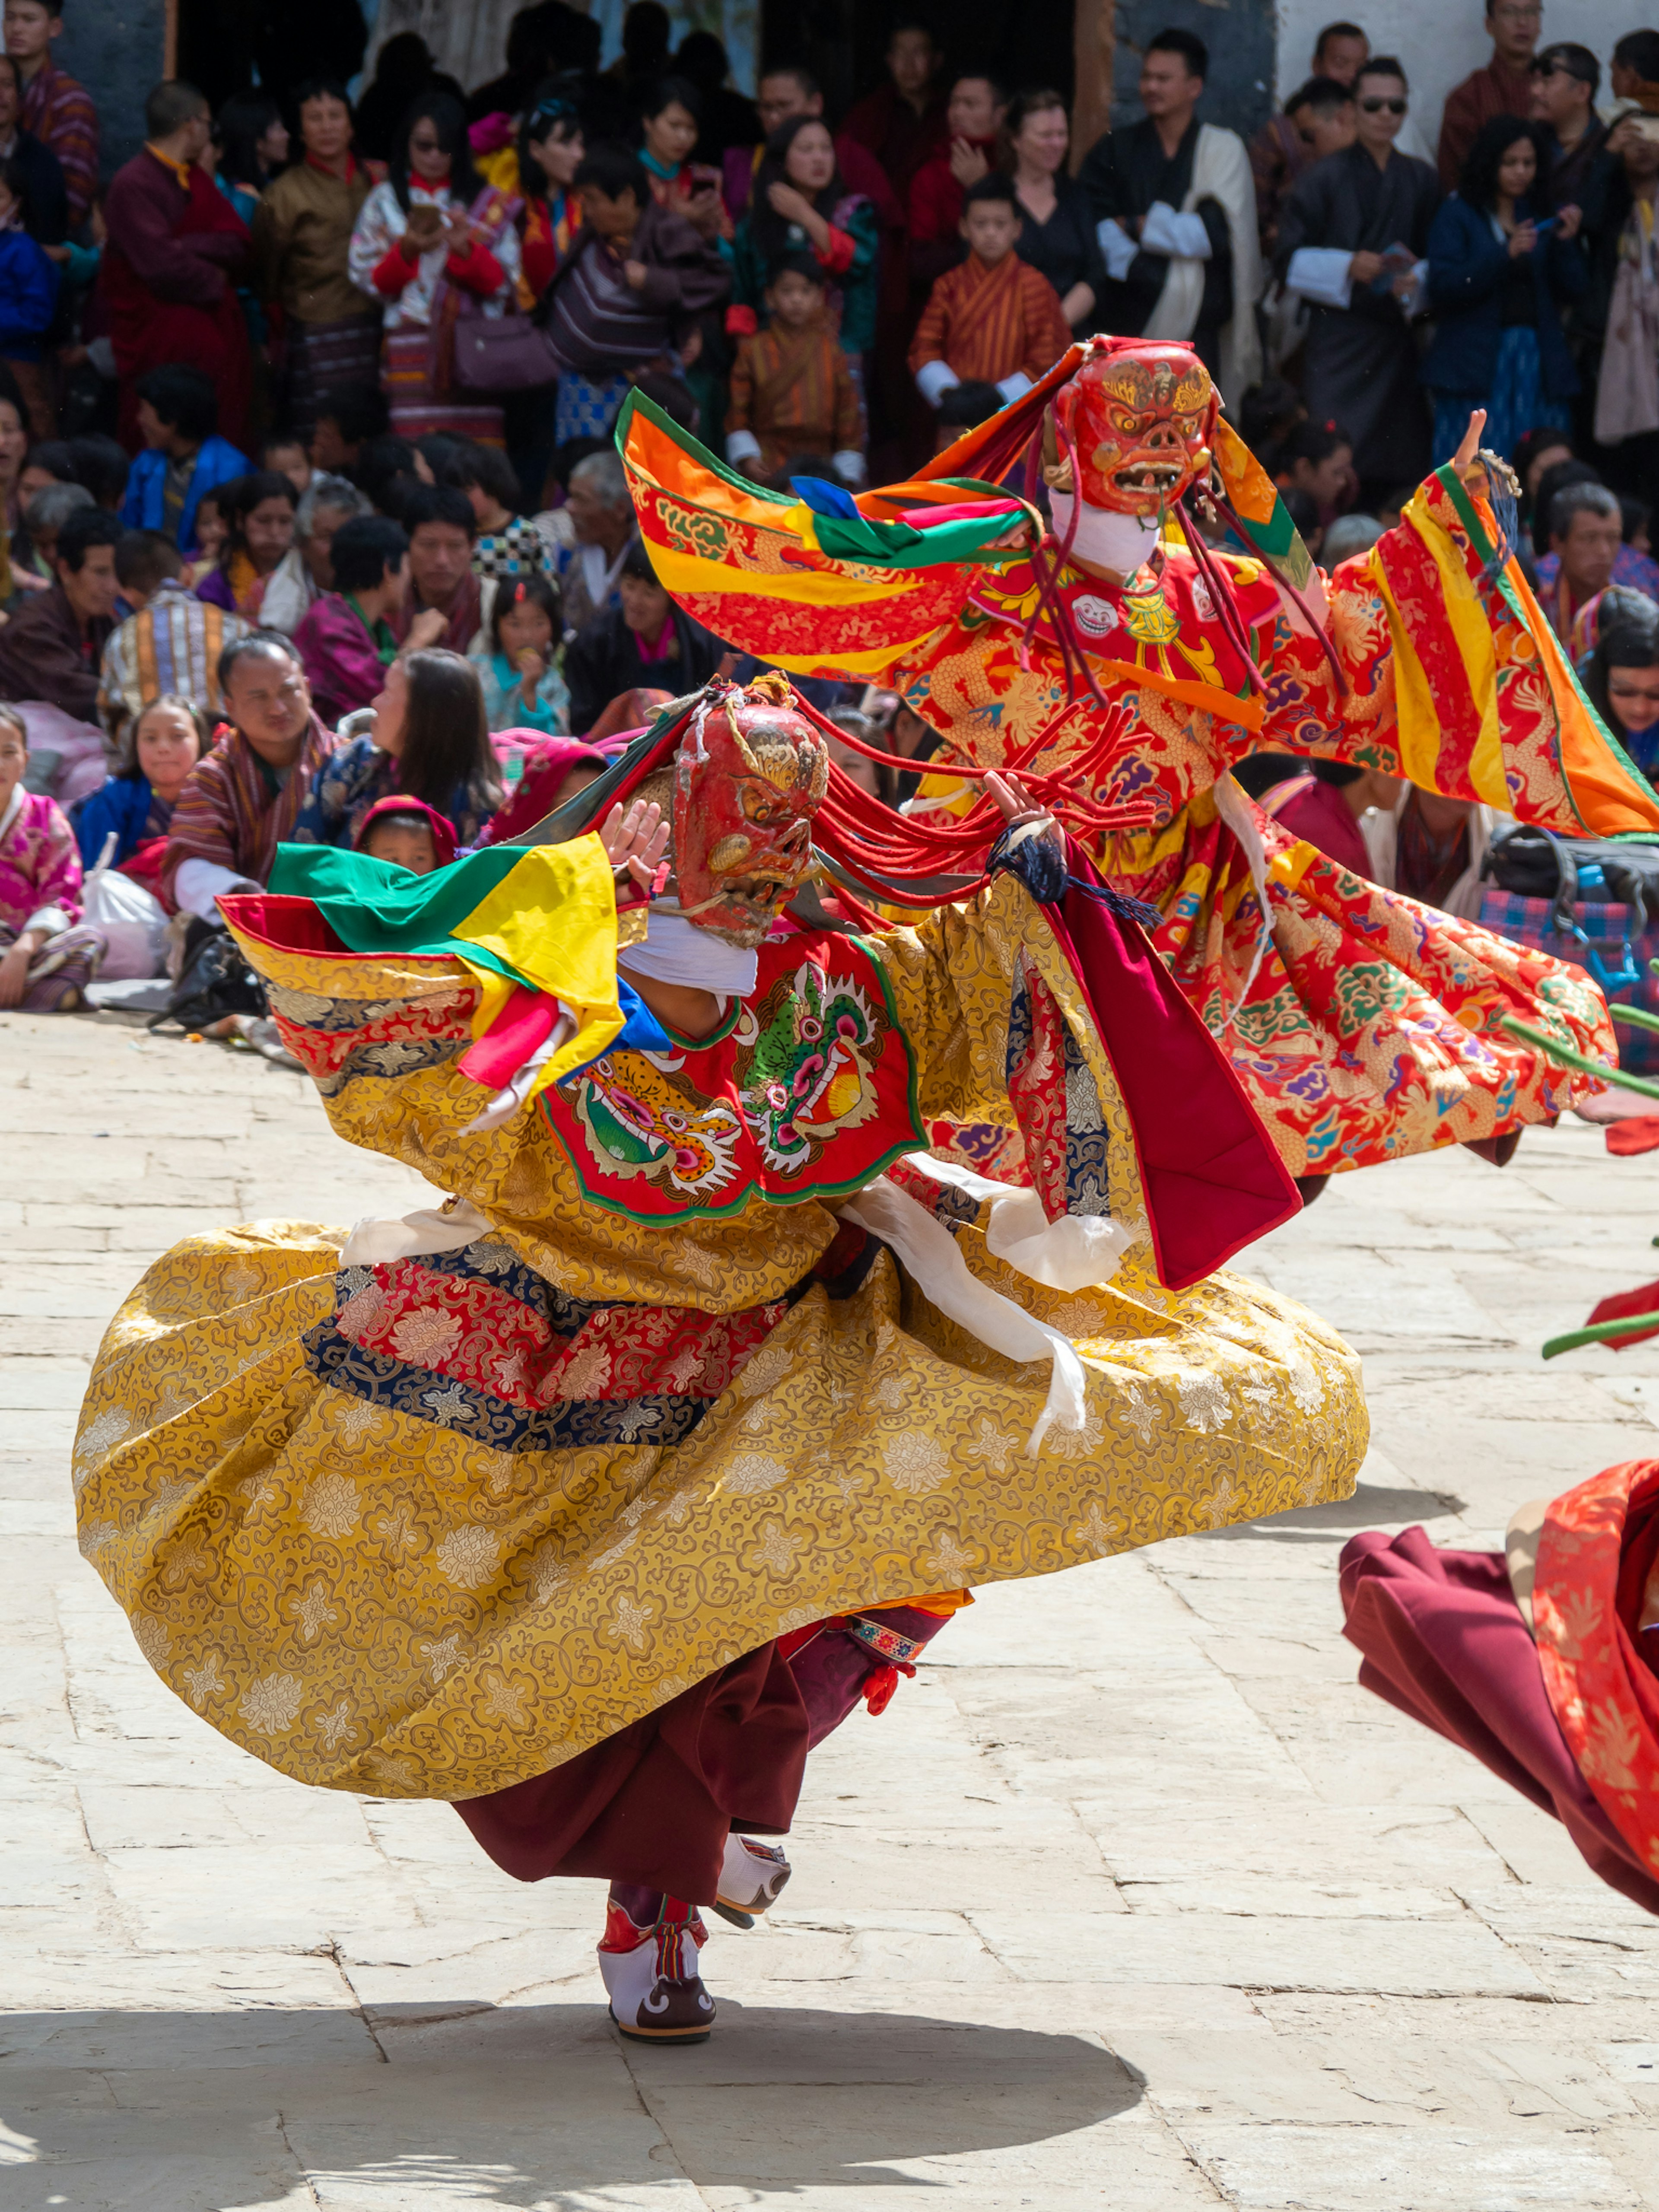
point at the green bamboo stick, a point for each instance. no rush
(1637, 1016)
(1599, 1331)
(1564, 1056)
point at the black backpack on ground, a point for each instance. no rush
(215, 980)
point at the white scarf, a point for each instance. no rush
(1221, 171)
(676, 951)
(1122, 542)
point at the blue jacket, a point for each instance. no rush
(143, 508)
(28, 296)
(121, 804)
(1466, 272)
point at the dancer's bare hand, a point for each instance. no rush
(1465, 460)
(636, 840)
(1019, 808)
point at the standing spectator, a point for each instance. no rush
(993, 320)
(434, 242)
(429, 741)
(1621, 677)
(244, 799)
(442, 530)
(345, 642)
(170, 643)
(157, 752)
(638, 280)
(252, 142)
(802, 206)
(1498, 288)
(587, 569)
(790, 89)
(1503, 87)
(1319, 117)
(57, 110)
(1056, 226)
(974, 117)
(729, 118)
(550, 151)
(174, 243)
(520, 665)
(1587, 535)
(403, 69)
(306, 568)
(506, 545)
(902, 122)
(301, 235)
(648, 640)
(47, 958)
(1565, 79)
(670, 116)
(28, 298)
(792, 390)
(45, 196)
(1338, 241)
(1282, 149)
(178, 414)
(53, 647)
(1626, 308)
(260, 509)
(1175, 206)
(1634, 75)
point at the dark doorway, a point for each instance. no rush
(842, 41)
(223, 43)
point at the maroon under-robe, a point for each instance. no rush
(164, 281)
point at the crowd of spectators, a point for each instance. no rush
(313, 527)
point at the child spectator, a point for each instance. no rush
(523, 684)
(183, 456)
(792, 389)
(212, 529)
(162, 745)
(169, 645)
(994, 320)
(261, 510)
(429, 741)
(47, 960)
(345, 641)
(506, 545)
(28, 297)
(647, 641)
(407, 833)
(284, 450)
(554, 772)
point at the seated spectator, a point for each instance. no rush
(429, 741)
(792, 389)
(1348, 535)
(1430, 848)
(183, 457)
(519, 666)
(1500, 288)
(1637, 520)
(244, 799)
(1621, 676)
(1536, 450)
(802, 207)
(636, 283)
(1269, 412)
(647, 641)
(388, 470)
(345, 642)
(442, 530)
(1056, 224)
(408, 834)
(161, 746)
(212, 529)
(169, 646)
(1323, 805)
(555, 773)
(29, 298)
(587, 565)
(1318, 459)
(53, 647)
(305, 569)
(974, 118)
(993, 320)
(963, 407)
(174, 246)
(506, 545)
(1586, 551)
(261, 508)
(1304, 510)
(43, 518)
(48, 960)
(347, 417)
(103, 467)
(284, 450)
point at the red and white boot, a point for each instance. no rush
(752, 1876)
(650, 1969)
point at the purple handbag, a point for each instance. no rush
(502, 353)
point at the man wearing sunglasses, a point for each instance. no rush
(1340, 240)
(1503, 87)
(1565, 79)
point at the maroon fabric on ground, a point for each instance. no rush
(655, 1802)
(1444, 1640)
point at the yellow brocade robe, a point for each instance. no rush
(342, 1538)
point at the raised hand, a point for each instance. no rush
(636, 840)
(1019, 810)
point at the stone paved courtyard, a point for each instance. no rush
(1132, 1901)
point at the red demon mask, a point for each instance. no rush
(749, 773)
(1139, 416)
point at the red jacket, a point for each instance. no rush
(936, 201)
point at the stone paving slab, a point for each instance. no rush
(1133, 1898)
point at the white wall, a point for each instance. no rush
(1440, 41)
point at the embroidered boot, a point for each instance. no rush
(648, 1960)
(752, 1876)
